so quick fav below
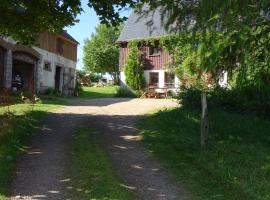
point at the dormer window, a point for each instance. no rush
(154, 50)
(60, 46)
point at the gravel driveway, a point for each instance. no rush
(40, 171)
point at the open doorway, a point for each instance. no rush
(153, 78)
(58, 78)
(22, 76)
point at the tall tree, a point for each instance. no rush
(101, 52)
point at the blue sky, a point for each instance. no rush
(85, 27)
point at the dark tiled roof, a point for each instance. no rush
(69, 37)
(139, 26)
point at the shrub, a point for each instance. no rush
(133, 70)
(245, 100)
(126, 92)
(95, 77)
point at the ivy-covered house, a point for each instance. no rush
(50, 63)
(154, 59)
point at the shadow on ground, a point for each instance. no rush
(41, 169)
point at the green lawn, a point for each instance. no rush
(91, 172)
(98, 92)
(15, 127)
(234, 166)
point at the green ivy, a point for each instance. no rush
(244, 54)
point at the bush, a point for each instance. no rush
(133, 70)
(126, 92)
(244, 100)
(95, 77)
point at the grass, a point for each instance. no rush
(98, 92)
(15, 127)
(92, 174)
(235, 164)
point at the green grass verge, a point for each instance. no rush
(14, 129)
(98, 92)
(92, 174)
(235, 164)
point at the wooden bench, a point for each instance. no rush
(154, 92)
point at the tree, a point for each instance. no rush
(133, 70)
(23, 20)
(101, 52)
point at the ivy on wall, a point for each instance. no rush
(200, 58)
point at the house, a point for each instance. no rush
(50, 63)
(154, 58)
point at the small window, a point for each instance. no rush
(47, 66)
(154, 50)
(154, 79)
(60, 46)
(169, 79)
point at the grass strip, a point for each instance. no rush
(234, 165)
(15, 127)
(93, 176)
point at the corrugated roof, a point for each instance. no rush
(139, 26)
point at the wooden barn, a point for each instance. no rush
(154, 58)
(50, 63)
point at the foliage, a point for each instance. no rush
(243, 100)
(23, 20)
(94, 77)
(200, 59)
(133, 70)
(208, 15)
(125, 92)
(101, 53)
(91, 170)
(233, 166)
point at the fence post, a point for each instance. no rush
(204, 121)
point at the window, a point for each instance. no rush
(59, 46)
(47, 66)
(154, 50)
(169, 79)
(153, 78)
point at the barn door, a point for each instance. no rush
(2, 59)
(57, 78)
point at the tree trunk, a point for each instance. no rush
(204, 121)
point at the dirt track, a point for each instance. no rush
(40, 172)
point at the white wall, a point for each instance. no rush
(48, 77)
